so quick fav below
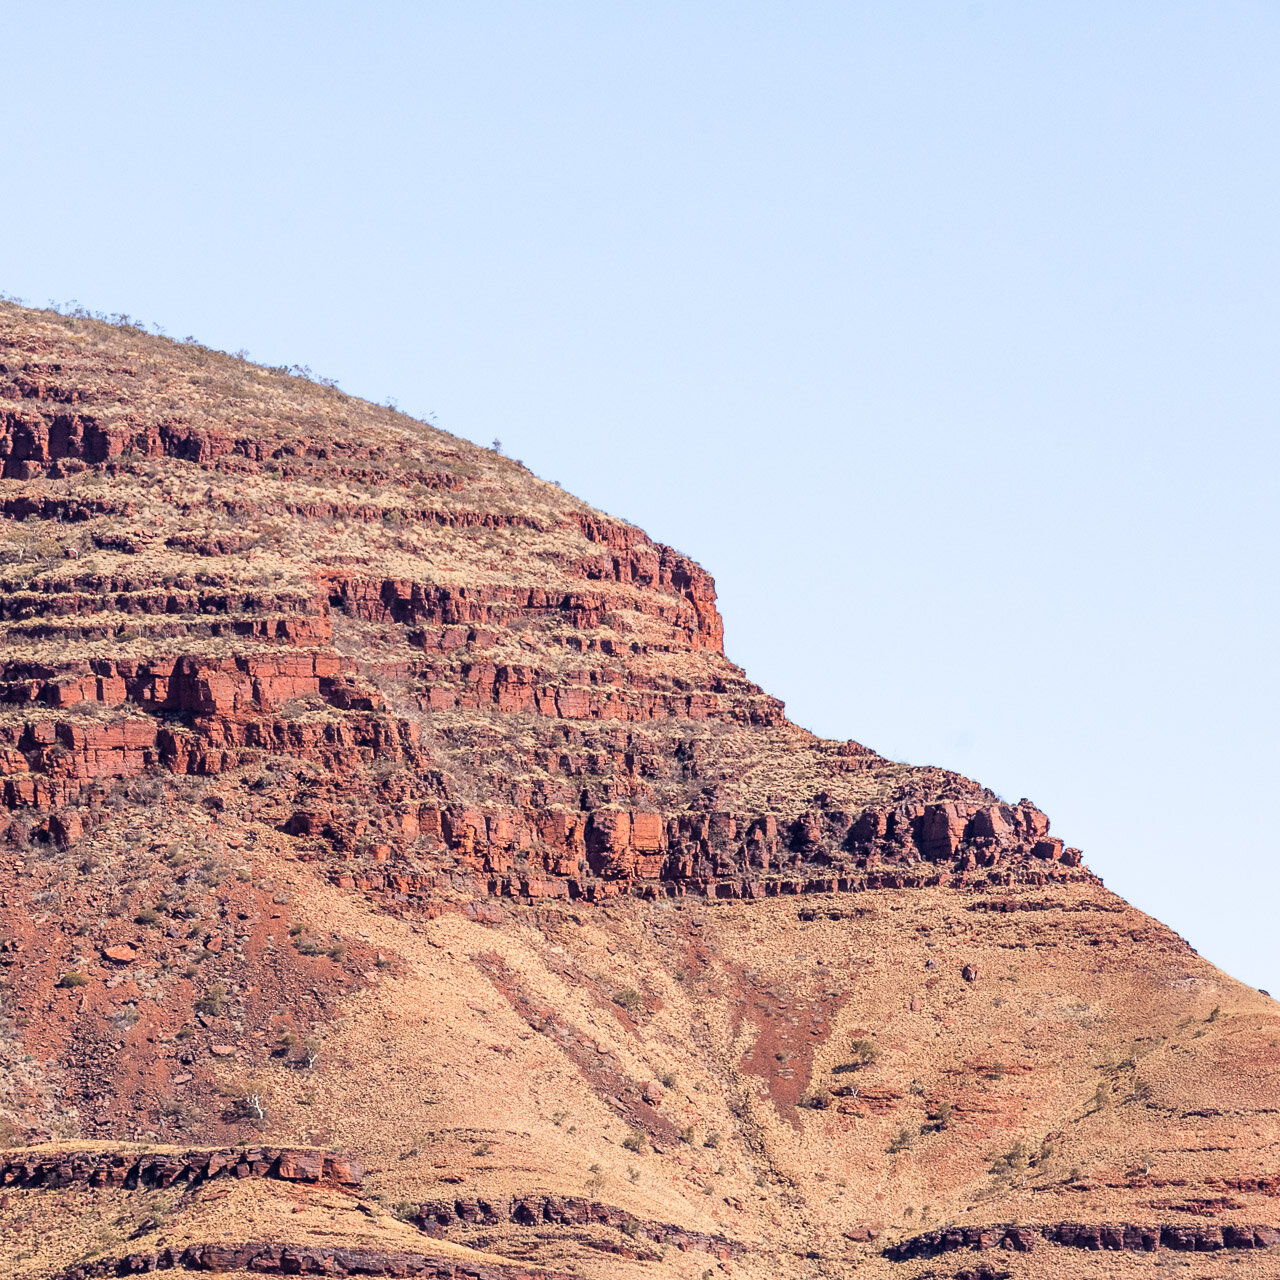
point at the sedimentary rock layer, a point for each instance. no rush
(132, 1169)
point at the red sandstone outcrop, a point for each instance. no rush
(1113, 1236)
(305, 1260)
(131, 1169)
(436, 1216)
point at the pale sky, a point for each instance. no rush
(943, 334)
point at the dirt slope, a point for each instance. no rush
(366, 796)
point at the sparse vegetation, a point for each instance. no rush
(628, 998)
(1013, 1163)
(903, 1140)
(1101, 1098)
(862, 1053)
(213, 1001)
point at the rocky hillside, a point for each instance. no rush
(371, 805)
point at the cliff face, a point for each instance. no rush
(311, 715)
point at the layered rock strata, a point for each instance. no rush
(437, 1216)
(474, 679)
(1115, 1237)
(303, 1260)
(131, 1169)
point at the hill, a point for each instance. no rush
(396, 877)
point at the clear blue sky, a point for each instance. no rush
(943, 334)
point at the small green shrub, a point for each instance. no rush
(213, 1001)
(862, 1054)
(902, 1140)
(1012, 1163)
(73, 978)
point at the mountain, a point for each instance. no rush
(397, 878)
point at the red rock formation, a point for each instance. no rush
(131, 1169)
(304, 1260)
(264, 647)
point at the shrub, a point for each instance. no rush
(250, 1103)
(634, 1141)
(863, 1054)
(668, 1079)
(213, 1001)
(148, 915)
(629, 999)
(902, 1140)
(818, 1099)
(712, 1139)
(73, 978)
(1013, 1162)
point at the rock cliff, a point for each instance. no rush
(360, 788)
